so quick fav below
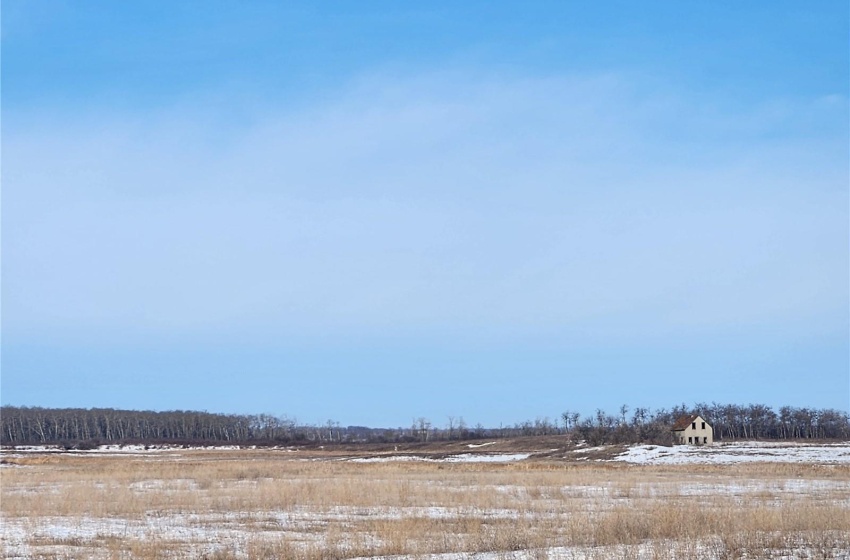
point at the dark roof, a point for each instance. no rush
(683, 422)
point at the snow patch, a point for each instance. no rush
(388, 459)
(480, 458)
(744, 452)
(462, 458)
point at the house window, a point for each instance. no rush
(690, 439)
(703, 425)
(705, 440)
(694, 425)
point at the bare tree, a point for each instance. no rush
(423, 426)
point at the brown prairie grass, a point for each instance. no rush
(261, 504)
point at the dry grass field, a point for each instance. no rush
(263, 504)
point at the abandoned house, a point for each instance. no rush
(692, 429)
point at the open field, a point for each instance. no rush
(486, 500)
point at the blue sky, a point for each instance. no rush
(372, 212)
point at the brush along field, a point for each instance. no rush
(477, 503)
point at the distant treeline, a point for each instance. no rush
(730, 422)
(77, 427)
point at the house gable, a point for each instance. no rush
(692, 429)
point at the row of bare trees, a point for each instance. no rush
(758, 421)
(71, 426)
(33, 425)
(730, 422)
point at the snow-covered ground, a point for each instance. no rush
(476, 445)
(709, 549)
(204, 535)
(718, 453)
(740, 452)
(201, 531)
(113, 448)
(462, 458)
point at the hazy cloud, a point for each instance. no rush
(441, 203)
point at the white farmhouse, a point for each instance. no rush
(692, 429)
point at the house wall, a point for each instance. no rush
(699, 435)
